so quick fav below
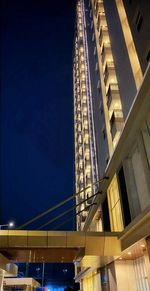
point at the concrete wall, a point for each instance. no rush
(124, 73)
(142, 37)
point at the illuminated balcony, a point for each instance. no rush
(101, 21)
(86, 146)
(80, 41)
(80, 151)
(89, 201)
(86, 131)
(84, 103)
(116, 122)
(81, 178)
(83, 85)
(83, 89)
(95, 1)
(83, 97)
(82, 62)
(78, 121)
(80, 140)
(113, 98)
(87, 155)
(81, 166)
(78, 102)
(85, 116)
(109, 73)
(87, 162)
(78, 117)
(78, 109)
(83, 218)
(88, 181)
(106, 53)
(103, 36)
(79, 128)
(85, 111)
(86, 138)
(87, 206)
(82, 65)
(99, 7)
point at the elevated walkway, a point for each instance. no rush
(25, 284)
(57, 246)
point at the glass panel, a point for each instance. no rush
(114, 206)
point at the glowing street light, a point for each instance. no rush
(9, 225)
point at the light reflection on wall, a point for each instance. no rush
(55, 288)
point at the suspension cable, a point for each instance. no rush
(69, 210)
(65, 212)
(60, 204)
(67, 220)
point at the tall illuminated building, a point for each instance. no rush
(111, 78)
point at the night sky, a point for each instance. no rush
(36, 108)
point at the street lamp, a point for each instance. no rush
(9, 225)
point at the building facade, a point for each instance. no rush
(111, 75)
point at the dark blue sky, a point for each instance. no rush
(36, 107)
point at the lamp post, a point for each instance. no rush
(43, 270)
(9, 225)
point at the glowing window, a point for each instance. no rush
(115, 212)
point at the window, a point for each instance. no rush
(139, 21)
(115, 213)
(124, 197)
(146, 139)
(105, 211)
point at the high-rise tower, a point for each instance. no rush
(85, 148)
(111, 75)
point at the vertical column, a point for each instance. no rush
(1, 282)
(28, 288)
(147, 260)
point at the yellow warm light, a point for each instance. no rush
(81, 49)
(112, 80)
(114, 205)
(133, 57)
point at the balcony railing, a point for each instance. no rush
(88, 180)
(109, 72)
(101, 21)
(86, 146)
(99, 7)
(116, 122)
(86, 130)
(106, 52)
(103, 35)
(112, 95)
